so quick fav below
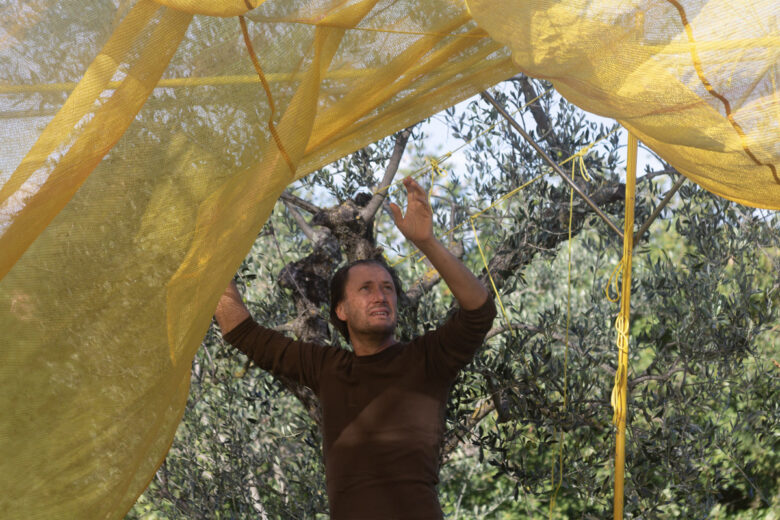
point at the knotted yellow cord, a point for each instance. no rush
(579, 161)
(580, 155)
(613, 280)
(620, 390)
(584, 172)
(435, 166)
(436, 169)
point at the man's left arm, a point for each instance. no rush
(454, 344)
(417, 227)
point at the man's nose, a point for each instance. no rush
(379, 295)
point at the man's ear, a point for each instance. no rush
(340, 311)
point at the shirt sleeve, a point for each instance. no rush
(453, 345)
(280, 355)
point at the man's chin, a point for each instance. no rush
(382, 331)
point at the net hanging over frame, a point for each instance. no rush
(138, 166)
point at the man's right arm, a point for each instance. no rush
(231, 310)
(268, 349)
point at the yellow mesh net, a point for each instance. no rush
(695, 80)
(138, 166)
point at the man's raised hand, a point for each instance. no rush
(417, 224)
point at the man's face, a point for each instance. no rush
(369, 303)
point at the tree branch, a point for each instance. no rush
(526, 242)
(303, 204)
(549, 160)
(305, 227)
(543, 125)
(658, 173)
(401, 138)
(454, 438)
(430, 279)
(660, 377)
(658, 209)
(500, 402)
(178, 503)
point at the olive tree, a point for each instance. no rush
(529, 421)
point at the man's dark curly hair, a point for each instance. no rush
(339, 282)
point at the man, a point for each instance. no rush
(383, 404)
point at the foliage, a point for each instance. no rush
(703, 423)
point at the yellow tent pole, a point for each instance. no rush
(620, 391)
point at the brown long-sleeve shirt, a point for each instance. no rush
(383, 415)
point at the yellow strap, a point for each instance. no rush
(620, 390)
(272, 109)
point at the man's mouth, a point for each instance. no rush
(383, 313)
